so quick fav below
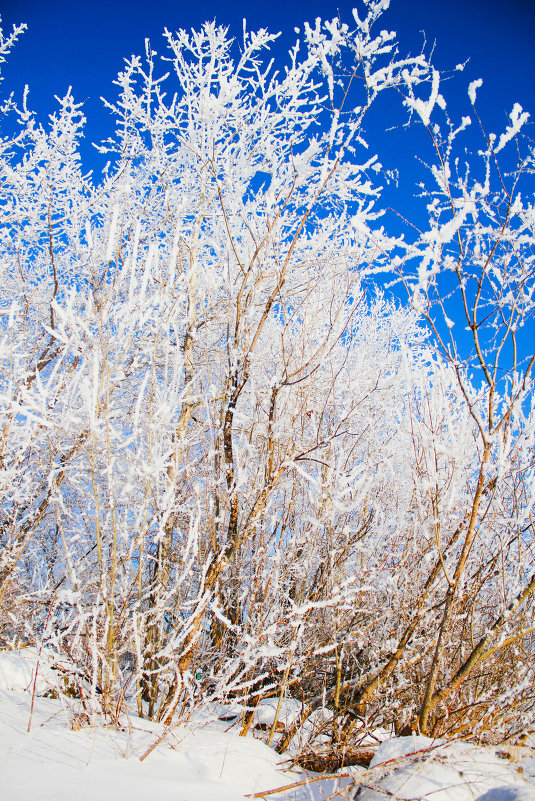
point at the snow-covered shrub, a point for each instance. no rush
(230, 468)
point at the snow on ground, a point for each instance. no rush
(17, 670)
(508, 794)
(267, 708)
(54, 762)
(420, 767)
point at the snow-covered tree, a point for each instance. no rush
(230, 465)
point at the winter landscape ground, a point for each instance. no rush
(63, 758)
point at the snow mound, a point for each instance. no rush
(290, 709)
(55, 763)
(18, 668)
(45, 757)
(509, 794)
(418, 767)
(528, 764)
(398, 747)
(264, 714)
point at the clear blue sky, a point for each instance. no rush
(82, 43)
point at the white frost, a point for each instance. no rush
(518, 118)
(472, 89)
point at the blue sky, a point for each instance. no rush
(83, 43)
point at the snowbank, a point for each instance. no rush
(55, 763)
(509, 794)
(418, 767)
(17, 670)
(196, 762)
